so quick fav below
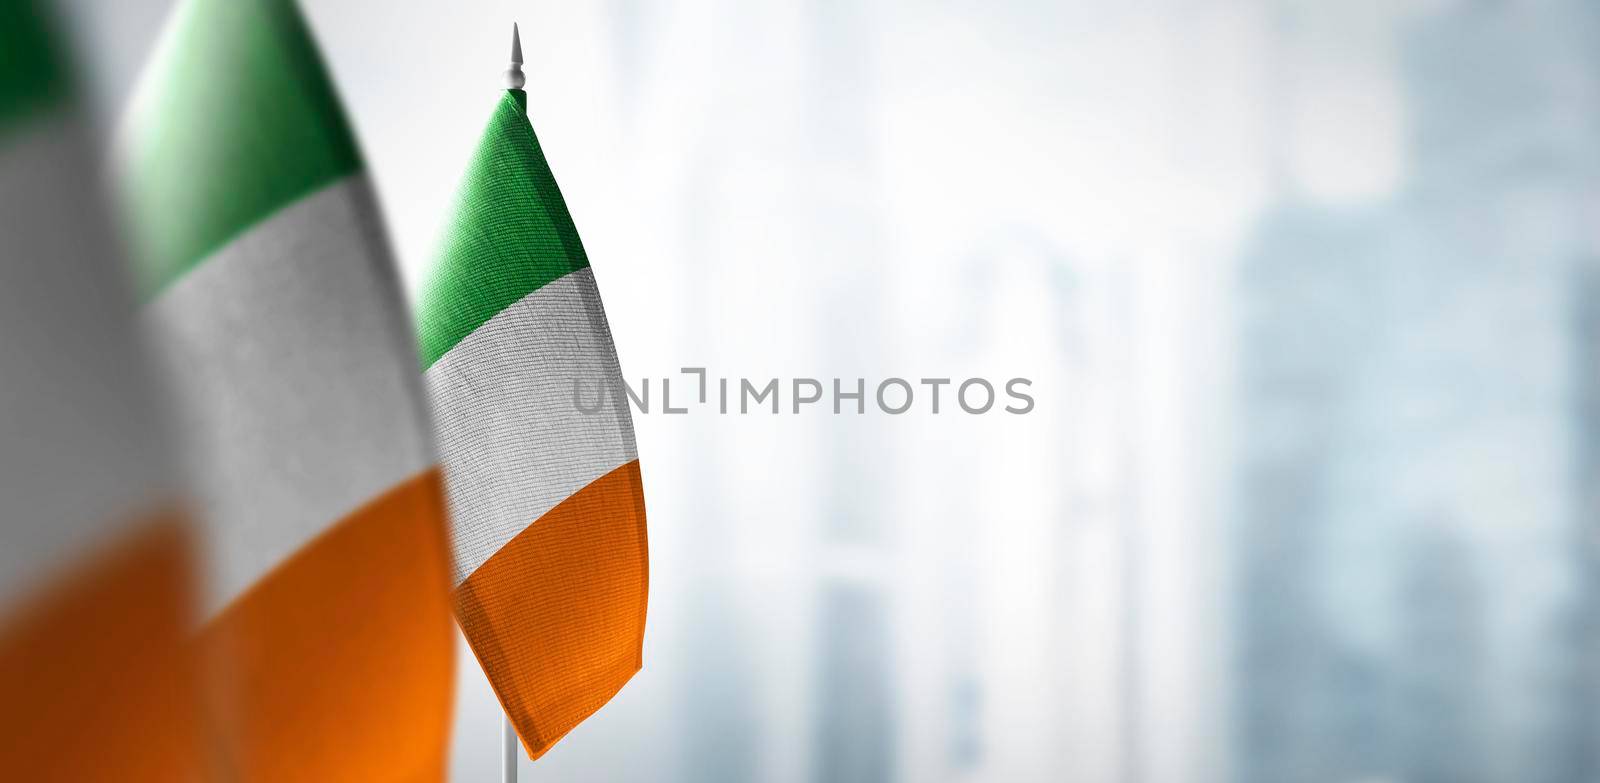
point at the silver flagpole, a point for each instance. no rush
(508, 733)
(508, 751)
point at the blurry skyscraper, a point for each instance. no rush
(1441, 659)
(1580, 633)
(1021, 699)
(1304, 688)
(855, 729)
(1412, 454)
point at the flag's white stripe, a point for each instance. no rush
(513, 438)
(81, 452)
(296, 380)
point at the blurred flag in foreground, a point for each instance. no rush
(96, 674)
(547, 507)
(275, 306)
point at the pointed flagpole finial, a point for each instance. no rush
(514, 77)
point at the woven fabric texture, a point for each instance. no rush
(510, 421)
(546, 499)
(511, 234)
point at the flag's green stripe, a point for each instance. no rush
(33, 75)
(238, 120)
(511, 234)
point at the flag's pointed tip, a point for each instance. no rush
(514, 77)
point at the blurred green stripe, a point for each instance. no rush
(235, 120)
(33, 74)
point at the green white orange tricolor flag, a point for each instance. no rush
(274, 303)
(96, 670)
(547, 507)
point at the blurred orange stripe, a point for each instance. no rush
(337, 666)
(97, 673)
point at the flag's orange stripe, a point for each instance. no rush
(556, 617)
(337, 666)
(96, 670)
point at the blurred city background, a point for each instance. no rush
(1309, 292)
